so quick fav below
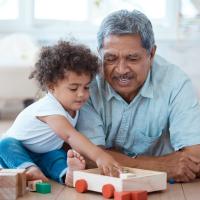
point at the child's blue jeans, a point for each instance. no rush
(14, 155)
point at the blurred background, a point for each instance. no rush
(26, 25)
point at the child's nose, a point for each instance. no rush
(80, 94)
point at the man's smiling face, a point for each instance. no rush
(126, 64)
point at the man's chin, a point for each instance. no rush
(126, 93)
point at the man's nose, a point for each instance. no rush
(121, 67)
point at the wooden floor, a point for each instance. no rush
(187, 191)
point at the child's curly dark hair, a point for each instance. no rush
(65, 56)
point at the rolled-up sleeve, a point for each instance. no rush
(90, 124)
(184, 120)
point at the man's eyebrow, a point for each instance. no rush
(133, 54)
(109, 54)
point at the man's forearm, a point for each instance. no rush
(143, 162)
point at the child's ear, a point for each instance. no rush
(50, 87)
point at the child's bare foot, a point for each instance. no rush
(75, 162)
(34, 173)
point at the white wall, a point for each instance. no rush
(185, 54)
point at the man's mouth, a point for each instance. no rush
(123, 80)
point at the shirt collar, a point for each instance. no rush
(146, 90)
(109, 92)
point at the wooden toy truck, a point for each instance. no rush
(131, 179)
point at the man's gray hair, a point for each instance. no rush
(127, 22)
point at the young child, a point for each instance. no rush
(35, 139)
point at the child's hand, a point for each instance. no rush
(107, 165)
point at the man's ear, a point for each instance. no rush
(100, 56)
(101, 69)
(152, 53)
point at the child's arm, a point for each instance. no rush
(81, 144)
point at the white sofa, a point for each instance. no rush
(17, 58)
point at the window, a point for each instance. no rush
(61, 10)
(105, 7)
(9, 9)
(189, 20)
(64, 17)
(190, 8)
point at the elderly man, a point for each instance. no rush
(142, 109)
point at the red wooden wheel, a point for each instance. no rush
(81, 185)
(108, 191)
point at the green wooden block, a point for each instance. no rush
(43, 188)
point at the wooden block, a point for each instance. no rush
(8, 180)
(122, 196)
(32, 185)
(13, 170)
(21, 184)
(8, 193)
(8, 186)
(139, 195)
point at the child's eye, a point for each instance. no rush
(73, 89)
(87, 88)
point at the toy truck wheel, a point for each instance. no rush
(81, 186)
(108, 191)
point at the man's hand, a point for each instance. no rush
(181, 166)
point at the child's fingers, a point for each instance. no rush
(115, 171)
(106, 171)
(101, 170)
(118, 166)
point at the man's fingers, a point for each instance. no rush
(191, 162)
(187, 168)
(190, 175)
(194, 159)
(194, 167)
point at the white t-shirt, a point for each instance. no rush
(36, 135)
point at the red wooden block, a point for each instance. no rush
(139, 195)
(81, 185)
(108, 191)
(122, 196)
